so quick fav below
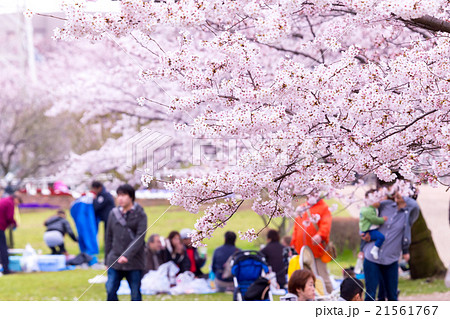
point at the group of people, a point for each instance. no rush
(301, 287)
(385, 231)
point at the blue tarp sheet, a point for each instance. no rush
(82, 212)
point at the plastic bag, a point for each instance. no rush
(153, 282)
(188, 284)
(29, 261)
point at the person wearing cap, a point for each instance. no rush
(197, 261)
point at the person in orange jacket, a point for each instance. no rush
(312, 228)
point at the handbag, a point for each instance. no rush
(330, 248)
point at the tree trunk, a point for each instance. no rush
(425, 261)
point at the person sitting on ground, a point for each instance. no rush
(57, 228)
(288, 250)
(176, 252)
(197, 261)
(301, 286)
(274, 256)
(221, 260)
(369, 223)
(351, 290)
(154, 253)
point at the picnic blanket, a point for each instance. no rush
(159, 281)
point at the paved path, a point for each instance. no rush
(437, 296)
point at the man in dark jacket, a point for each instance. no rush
(274, 256)
(57, 227)
(154, 254)
(103, 202)
(220, 258)
(197, 261)
(6, 220)
(125, 244)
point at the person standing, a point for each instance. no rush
(7, 220)
(103, 203)
(312, 228)
(401, 212)
(125, 244)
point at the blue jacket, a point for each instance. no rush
(103, 204)
(220, 257)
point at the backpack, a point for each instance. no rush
(258, 290)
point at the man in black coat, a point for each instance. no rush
(103, 202)
(125, 244)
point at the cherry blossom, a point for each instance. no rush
(321, 92)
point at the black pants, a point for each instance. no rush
(59, 251)
(4, 252)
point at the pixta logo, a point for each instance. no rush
(149, 150)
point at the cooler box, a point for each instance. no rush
(51, 262)
(14, 263)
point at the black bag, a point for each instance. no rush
(79, 259)
(259, 290)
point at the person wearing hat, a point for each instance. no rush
(197, 261)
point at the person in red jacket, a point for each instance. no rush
(6, 220)
(312, 228)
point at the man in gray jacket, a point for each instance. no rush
(401, 213)
(125, 244)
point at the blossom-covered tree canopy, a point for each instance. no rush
(324, 91)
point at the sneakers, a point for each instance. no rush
(374, 252)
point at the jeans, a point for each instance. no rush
(4, 252)
(374, 273)
(376, 236)
(134, 280)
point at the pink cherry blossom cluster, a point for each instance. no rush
(322, 91)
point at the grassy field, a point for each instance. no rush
(73, 284)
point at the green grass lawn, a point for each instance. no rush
(70, 285)
(31, 228)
